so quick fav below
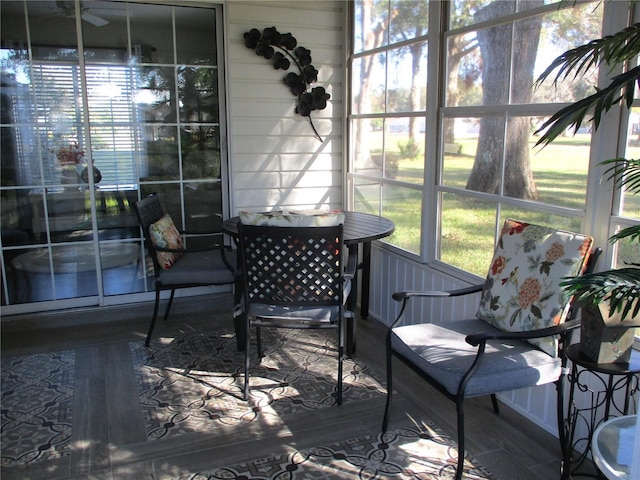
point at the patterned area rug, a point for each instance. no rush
(37, 407)
(190, 381)
(407, 453)
(187, 383)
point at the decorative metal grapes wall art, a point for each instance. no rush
(282, 49)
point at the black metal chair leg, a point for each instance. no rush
(246, 363)
(460, 413)
(239, 326)
(340, 361)
(239, 323)
(153, 318)
(387, 408)
(166, 312)
(565, 470)
(351, 336)
(494, 402)
(259, 343)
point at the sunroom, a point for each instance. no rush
(432, 121)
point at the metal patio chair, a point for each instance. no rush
(176, 267)
(521, 302)
(294, 277)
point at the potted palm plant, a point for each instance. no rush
(611, 298)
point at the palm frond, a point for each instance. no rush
(632, 233)
(625, 172)
(621, 87)
(620, 287)
(611, 49)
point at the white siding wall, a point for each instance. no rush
(275, 160)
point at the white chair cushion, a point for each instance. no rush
(297, 218)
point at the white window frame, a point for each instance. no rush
(597, 218)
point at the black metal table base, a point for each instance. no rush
(608, 390)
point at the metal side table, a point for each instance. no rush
(610, 390)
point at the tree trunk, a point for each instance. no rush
(372, 39)
(452, 99)
(457, 49)
(414, 123)
(496, 142)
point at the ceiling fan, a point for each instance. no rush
(68, 9)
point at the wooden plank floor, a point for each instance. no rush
(507, 444)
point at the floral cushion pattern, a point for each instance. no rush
(164, 234)
(298, 218)
(521, 291)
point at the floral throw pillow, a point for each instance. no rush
(164, 234)
(521, 291)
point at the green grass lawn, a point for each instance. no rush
(560, 174)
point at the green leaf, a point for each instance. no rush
(615, 49)
(536, 311)
(514, 317)
(624, 173)
(533, 261)
(495, 303)
(600, 102)
(620, 286)
(546, 296)
(632, 233)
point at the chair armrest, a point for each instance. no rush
(232, 267)
(398, 296)
(187, 250)
(192, 232)
(405, 296)
(478, 338)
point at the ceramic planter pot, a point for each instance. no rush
(604, 338)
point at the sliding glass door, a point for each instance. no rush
(103, 103)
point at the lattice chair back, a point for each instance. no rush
(293, 265)
(293, 278)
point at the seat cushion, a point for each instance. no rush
(199, 268)
(522, 291)
(164, 234)
(298, 218)
(314, 314)
(444, 355)
(299, 314)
